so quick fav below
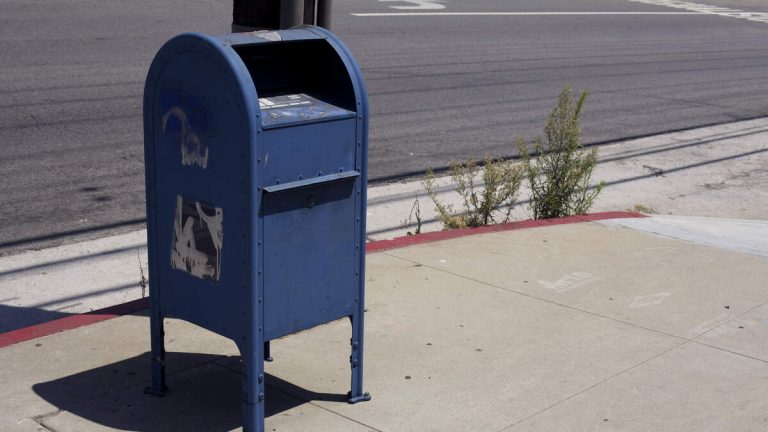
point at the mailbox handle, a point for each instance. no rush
(312, 181)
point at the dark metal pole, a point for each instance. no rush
(324, 13)
(291, 13)
(249, 15)
(309, 11)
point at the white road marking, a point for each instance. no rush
(649, 300)
(417, 4)
(707, 9)
(569, 282)
(395, 14)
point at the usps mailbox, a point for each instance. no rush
(256, 159)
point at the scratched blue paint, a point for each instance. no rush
(286, 179)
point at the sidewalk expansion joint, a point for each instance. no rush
(227, 368)
(682, 340)
(40, 419)
(729, 351)
(604, 380)
(729, 320)
(325, 409)
(697, 340)
(310, 402)
(513, 291)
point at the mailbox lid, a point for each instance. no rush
(307, 150)
(298, 108)
(269, 36)
(310, 72)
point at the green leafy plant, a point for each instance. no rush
(484, 204)
(559, 174)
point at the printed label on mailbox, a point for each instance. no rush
(299, 107)
(197, 239)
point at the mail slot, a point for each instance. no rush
(256, 171)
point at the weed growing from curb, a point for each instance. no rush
(490, 203)
(415, 213)
(559, 175)
(640, 208)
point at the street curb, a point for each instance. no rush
(411, 240)
(74, 321)
(71, 322)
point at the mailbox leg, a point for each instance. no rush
(157, 336)
(267, 354)
(356, 359)
(253, 391)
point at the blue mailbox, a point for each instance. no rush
(256, 159)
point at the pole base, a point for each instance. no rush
(365, 397)
(154, 392)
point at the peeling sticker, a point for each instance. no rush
(193, 152)
(271, 36)
(198, 236)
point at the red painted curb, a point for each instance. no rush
(399, 242)
(71, 322)
(75, 321)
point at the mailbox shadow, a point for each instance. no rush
(16, 317)
(204, 394)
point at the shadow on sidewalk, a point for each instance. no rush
(204, 394)
(16, 317)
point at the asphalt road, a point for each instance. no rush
(442, 87)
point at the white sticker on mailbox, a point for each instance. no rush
(197, 239)
(269, 35)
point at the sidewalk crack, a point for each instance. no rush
(40, 420)
(325, 409)
(507, 428)
(524, 294)
(307, 401)
(697, 339)
(682, 340)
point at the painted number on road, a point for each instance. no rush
(416, 4)
(708, 9)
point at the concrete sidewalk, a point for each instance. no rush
(717, 171)
(571, 327)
